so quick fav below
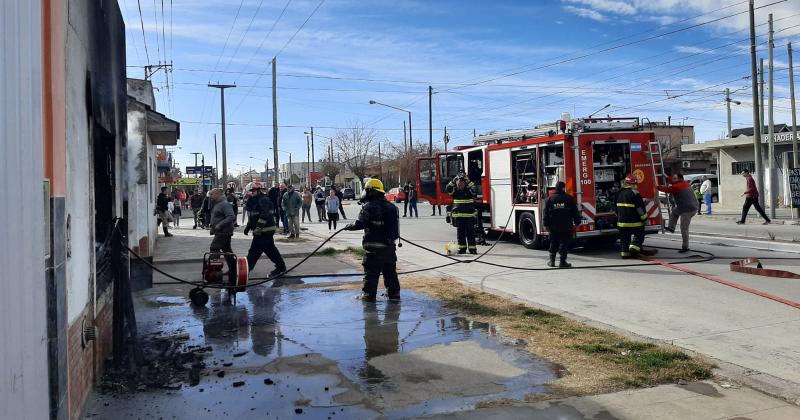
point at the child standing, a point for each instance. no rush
(176, 212)
(332, 208)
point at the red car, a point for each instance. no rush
(396, 194)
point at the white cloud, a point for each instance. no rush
(609, 6)
(691, 50)
(587, 13)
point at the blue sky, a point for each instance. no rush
(493, 65)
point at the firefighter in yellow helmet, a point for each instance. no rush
(380, 220)
(463, 214)
(631, 216)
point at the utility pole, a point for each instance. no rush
(216, 163)
(430, 121)
(728, 104)
(756, 120)
(154, 68)
(405, 137)
(313, 168)
(308, 167)
(445, 140)
(380, 163)
(275, 120)
(796, 160)
(222, 112)
(761, 91)
(203, 175)
(771, 137)
(291, 170)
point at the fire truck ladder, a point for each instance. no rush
(657, 163)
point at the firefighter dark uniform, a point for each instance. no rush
(463, 213)
(261, 221)
(560, 217)
(631, 215)
(380, 220)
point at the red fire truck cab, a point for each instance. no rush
(516, 170)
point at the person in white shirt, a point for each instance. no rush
(705, 189)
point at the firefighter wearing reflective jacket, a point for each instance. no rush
(631, 215)
(380, 220)
(261, 221)
(463, 192)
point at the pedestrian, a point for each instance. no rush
(292, 202)
(630, 218)
(560, 217)
(463, 192)
(162, 211)
(261, 221)
(406, 189)
(319, 200)
(751, 199)
(434, 207)
(684, 208)
(221, 221)
(380, 221)
(205, 213)
(705, 190)
(176, 212)
(412, 201)
(231, 197)
(340, 195)
(699, 198)
(332, 207)
(284, 219)
(196, 203)
(307, 199)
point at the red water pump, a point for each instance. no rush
(214, 273)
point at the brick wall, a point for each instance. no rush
(85, 364)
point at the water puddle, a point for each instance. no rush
(330, 355)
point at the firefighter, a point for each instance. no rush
(560, 217)
(631, 215)
(261, 220)
(463, 213)
(380, 220)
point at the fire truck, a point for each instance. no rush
(514, 171)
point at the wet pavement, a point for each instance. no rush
(309, 348)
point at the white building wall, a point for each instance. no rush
(80, 193)
(23, 307)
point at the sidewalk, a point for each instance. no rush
(189, 245)
(782, 216)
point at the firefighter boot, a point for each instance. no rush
(552, 262)
(563, 262)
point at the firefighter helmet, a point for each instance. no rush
(374, 184)
(255, 185)
(631, 179)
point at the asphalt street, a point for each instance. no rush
(745, 331)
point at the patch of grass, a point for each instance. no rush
(596, 360)
(330, 251)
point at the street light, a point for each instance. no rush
(410, 135)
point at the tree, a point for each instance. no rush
(357, 145)
(329, 169)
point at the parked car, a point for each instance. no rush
(695, 180)
(396, 194)
(348, 194)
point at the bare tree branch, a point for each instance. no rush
(357, 146)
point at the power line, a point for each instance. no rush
(263, 40)
(227, 38)
(614, 47)
(281, 50)
(244, 35)
(141, 21)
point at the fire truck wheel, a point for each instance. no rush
(526, 230)
(198, 296)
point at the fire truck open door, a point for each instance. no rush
(426, 179)
(449, 166)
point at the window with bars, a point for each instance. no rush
(738, 167)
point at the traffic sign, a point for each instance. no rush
(198, 170)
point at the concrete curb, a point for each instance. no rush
(737, 241)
